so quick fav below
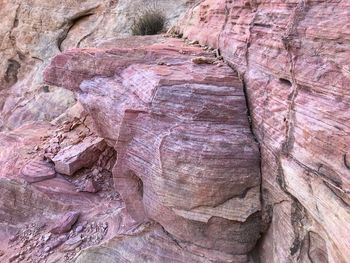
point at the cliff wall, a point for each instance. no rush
(293, 57)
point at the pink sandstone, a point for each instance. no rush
(186, 156)
(82, 155)
(37, 170)
(65, 223)
(294, 59)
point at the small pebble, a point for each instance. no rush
(13, 238)
(79, 229)
(95, 172)
(47, 237)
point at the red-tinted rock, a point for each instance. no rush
(37, 171)
(141, 247)
(72, 243)
(90, 186)
(186, 155)
(65, 224)
(294, 58)
(82, 155)
(25, 209)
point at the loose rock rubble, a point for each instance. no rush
(63, 234)
(36, 245)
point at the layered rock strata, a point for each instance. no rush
(294, 59)
(186, 156)
(33, 31)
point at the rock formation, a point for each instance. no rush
(186, 155)
(33, 31)
(160, 155)
(294, 59)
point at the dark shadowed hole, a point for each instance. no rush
(285, 82)
(12, 71)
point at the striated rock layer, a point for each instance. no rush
(33, 31)
(186, 155)
(294, 57)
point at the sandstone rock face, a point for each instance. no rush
(33, 31)
(294, 57)
(186, 155)
(29, 211)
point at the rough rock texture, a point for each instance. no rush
(33, 31)
(186, 155)
(38, 170)
(294, 59)
(65, 223)
(82, 155)
(29, 211)
(142, 247)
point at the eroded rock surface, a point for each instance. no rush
(294, 58)
(35, 199)
(33, 31)
(150, 238)
(38, 170)
(186, 155)
(65, 223)
(82, 155)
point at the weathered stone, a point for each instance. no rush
(82, 155)
(37, 171)
(46, 237)
(65, 224)
(22, 203)
(90, 186)
(294, 59)
(79, 229)
(127, 249)
(72, 243)
(27, 44)
(186, 155)
(56, 243)
(19, 203)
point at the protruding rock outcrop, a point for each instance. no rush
(36, 200)
(186, 156)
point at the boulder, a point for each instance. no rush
(186, 155)
(82, 155)
(65, 224)
(90, 186)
